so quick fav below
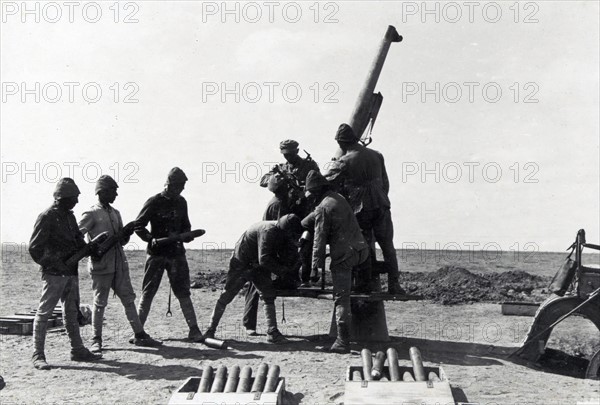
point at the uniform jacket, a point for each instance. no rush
(300, 171)
(266, 245)
(167, 217)
(100, 219)
(55, 238)
(336, 225)
(361, 177)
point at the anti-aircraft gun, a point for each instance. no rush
(368, 104)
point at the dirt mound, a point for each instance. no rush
(209, 279)
(457, 285)
(448, 285)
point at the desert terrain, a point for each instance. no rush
(457, 324)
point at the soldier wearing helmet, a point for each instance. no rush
(55, 238)
(362, 179)
(266, 248)
(167, 213)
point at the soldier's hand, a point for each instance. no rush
(153, 243)
(129, 228)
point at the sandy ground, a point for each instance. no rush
(470, 342)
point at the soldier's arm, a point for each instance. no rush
(86, 224)
(264, 180)
(384, 176)
(125, 234)
(142, 220)
(267, 252)
(320, 238)
(186, 225)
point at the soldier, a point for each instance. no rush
(167, 214)
(285, 181)
(266, 247)
(335, 225)
(288, 197)
(111, 270)
(360, 173)
(55, 238)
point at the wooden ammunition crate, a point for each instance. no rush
(384, 392)
(519, 308)
(22, 323)
(188, 394)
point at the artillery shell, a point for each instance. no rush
(215, 343)
(356, 375)
(367, 363)
(232, 379)
(205, 382)
(219, 381)
(261, 378)
(433, 376)
(377, 371)
(417, 362)
(407, 376)
(392, 356)
(272, 379)
(245, 380)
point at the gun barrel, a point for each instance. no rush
(368, 104)
(360, 116)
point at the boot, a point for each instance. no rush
(96, 346)
(144, 309)
(188, 311)
(276, 338)
(39, 361)
(144, 340)
(214, 320)
(83, 354)
(273, 334)
(133, 317)
(342, 342)
(39, 337)
(195, 334)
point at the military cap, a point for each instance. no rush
(66, 188)
(315, 180)
(176, 175)
(345, 133)
(105, 182)
(288, 146)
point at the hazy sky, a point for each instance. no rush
(489, 126)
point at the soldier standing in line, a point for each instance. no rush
(361, 177)
(111, 270)
(55, 238)
(335, 225)
(266, 248)
(167, 214)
